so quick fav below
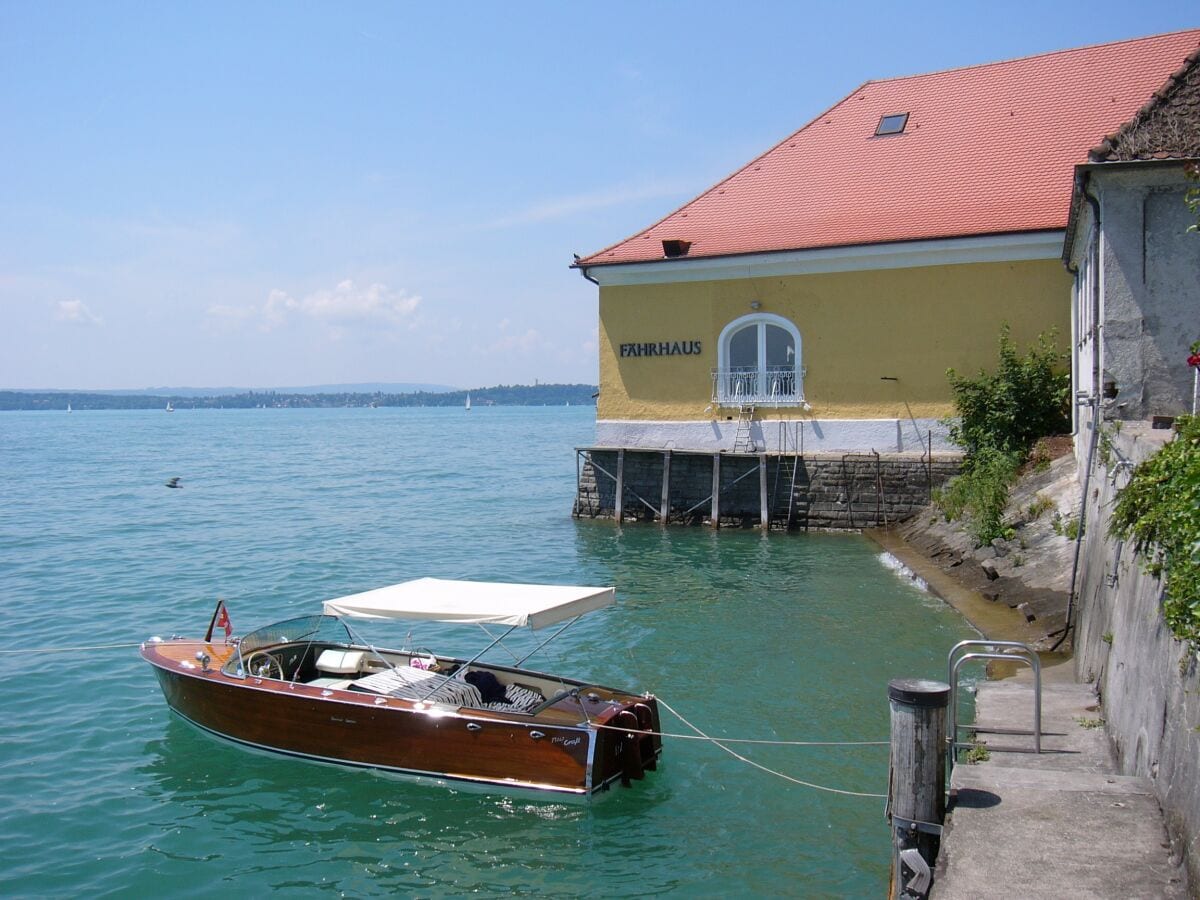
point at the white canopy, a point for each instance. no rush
(488, 603)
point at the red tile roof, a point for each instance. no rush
(988, 149)
(1167, 127)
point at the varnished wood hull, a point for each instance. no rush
(462, 744)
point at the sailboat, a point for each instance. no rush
(468, 402)
(170, 408)
(68, 407)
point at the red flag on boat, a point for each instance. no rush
(220, 617)
(223, 622)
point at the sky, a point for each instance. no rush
(261, 194)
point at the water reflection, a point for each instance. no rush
(397, 834)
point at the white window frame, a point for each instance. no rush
(728, 389)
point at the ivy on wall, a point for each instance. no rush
(1159, 510)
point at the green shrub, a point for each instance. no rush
(1066, 526)
(978, 754)
(1039, 505)
(1000, 417)
(1026, 398)
(981, 492)
(1160, 511)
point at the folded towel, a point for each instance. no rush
(418, 684)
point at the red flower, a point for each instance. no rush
(1194, 360)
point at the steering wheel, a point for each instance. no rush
(265, 665)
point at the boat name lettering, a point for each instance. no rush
(662, 348)
(565, 741)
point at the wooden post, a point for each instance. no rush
(929, 469)
(578, 487)
(665, 507)
(764, 514)
(917, 793)
(715, 518)
(619, 503)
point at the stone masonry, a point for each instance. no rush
(815, 491)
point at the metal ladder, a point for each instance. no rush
(742, 442)
(1012, 651)
(787, 469)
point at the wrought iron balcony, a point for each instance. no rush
(776, 386)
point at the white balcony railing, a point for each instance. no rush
(757, 387)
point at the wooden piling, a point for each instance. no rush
(917, 791)
(619, 502)
(715, 518)
(764, 513)
(665, 506)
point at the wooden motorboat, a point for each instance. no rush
(310, 687)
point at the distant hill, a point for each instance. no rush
(364, 388)
(501, 395)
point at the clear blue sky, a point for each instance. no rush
(263, 194)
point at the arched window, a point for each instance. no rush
(758, 361)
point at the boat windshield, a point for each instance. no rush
(315, 629)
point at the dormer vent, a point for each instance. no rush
(675, 248)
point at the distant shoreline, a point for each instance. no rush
(502, 395)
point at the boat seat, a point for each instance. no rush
(333, 684)
(517, 698)
(420, 684)
(340, 662)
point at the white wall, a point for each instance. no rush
(802, 435)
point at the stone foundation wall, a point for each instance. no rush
(822, 491)
(1149, 681)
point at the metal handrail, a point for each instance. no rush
(1016, 652)
(774, 386)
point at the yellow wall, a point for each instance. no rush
(855, 327)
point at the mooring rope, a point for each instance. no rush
(77, 649)
(703, 737)
(750, 762)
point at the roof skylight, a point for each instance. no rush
(893, 124)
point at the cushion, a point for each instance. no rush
(340, 662)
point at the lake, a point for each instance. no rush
(785, 637)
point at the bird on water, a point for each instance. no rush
(173, 482)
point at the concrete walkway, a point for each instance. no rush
(1060, 824)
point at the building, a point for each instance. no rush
(1137, 267)
(811, 303)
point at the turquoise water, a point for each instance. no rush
(102, 792)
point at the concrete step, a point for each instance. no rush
(1073, 735)
(1037, 833)
(1058, 824)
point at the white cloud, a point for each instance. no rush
(525, 342)
(275, 310)
(349, 302)
(76, 312)
(343, 305)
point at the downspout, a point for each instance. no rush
(584, 272)
(1094, 400)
